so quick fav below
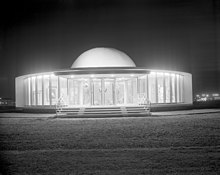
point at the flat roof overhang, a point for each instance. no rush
(103, 70)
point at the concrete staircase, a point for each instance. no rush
(96, 112)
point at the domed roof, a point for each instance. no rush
(103, 57)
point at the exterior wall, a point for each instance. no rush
(187, 86)
(160, 87)
(19, 92)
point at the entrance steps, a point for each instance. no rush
(116, 111)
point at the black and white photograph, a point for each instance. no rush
(110, 87)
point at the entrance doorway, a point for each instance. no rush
(108, 92)
(103, 92)
(96, 92)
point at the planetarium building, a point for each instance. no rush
(103, 77)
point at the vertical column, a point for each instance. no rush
(42, 79)
(156, 88)
(164, 89)
(50, 95)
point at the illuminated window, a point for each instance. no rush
(134, 88)
(39, 90)
(33, 91)
(63, 89)
(181, 88)
(178, 88)
(167, 85)
(108, 91)
(173, 78)
(27, 91)
(142, 84)
(129, 90)
(86, 91)
(73, 92)
(152, 87)
(160, 87)
(54, 89)
(46, 90)
(97, 91)
(120, 92)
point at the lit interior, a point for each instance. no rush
(104, 89)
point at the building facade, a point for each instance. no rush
(103, 77)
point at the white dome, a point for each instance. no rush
(103, 57)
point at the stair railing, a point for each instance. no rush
(59, 105)
(143, 100)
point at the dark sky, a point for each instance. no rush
(45, 35)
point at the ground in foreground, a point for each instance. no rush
(184, 144)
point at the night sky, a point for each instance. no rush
(46, 35)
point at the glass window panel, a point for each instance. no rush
(86, 91)
(167, 85)
(29, 91)
(142, 89)
(129, 91)
(63, 89)
(160, 87)
(97, 92)
(54, 89)
(142, 84)
(135, 93)
(108, 91)
(173, 88)
(46, 90)
(39, 90)
(33, 91)
(74, 91)
(152, 87)
(120, 92)
(178, 88)
(26, 91)
(181, 88)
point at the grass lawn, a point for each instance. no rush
(184, 144)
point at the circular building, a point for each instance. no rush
(104, 77)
